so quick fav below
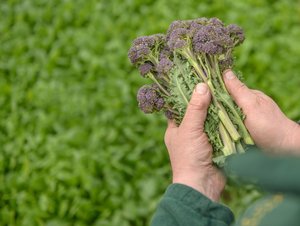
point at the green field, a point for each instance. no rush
(74, 147)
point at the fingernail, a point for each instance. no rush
(201, 88)
(229, 75)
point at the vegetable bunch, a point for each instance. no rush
(193, 51)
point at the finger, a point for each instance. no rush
(238, 90)
(171, 124)
(170, 131)
(257, 92)
(196, 111)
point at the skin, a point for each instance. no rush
(191, 153)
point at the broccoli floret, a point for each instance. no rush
(149, 99)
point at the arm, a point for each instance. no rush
(182, 205)
(268, 126)
(197, 184)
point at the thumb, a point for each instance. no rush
(196, 111)
(238, 90)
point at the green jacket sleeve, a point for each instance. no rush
(182, 205)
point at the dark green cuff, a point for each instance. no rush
(199, 203)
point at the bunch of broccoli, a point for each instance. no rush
(193, 51)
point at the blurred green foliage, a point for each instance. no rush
(74, 148)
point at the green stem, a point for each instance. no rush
(228, 124)
(217, 69)
(151, 76)
(222, 112)
(246, 136)
(169, 108)
(166, 79)
(240, 147)
(192, 60)
(153, 59)
(230, 104)
(204, 67)
(229, 147)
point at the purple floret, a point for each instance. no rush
(226, 63)
(138, 53)
(149, 41)
(211, 40)
(165, 52)
(211, 48)
(144, 40)
(202, 20)
(149, 99)
(164, 66)
(194, 28)
(216, 22)
(145, 68)
(143, 46)
(169, 114)
(175, 25)
(177, 39)
(236, 33)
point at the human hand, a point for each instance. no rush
(268, 126)
(190, 151)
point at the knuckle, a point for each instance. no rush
(241, 87)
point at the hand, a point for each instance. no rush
(190, 151)
(268, 126)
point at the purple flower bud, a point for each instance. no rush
(226, 63)
(236, 33)
(177, 39)
(149, 99)
(144, 40)
(202, 21)
(211, 48)
(169, 114)
(145, 68)
(138, 53)
(159, 37)
(216, 22)
(175, 25)
(159, 104)
(165, 52)
(211, 40)
(143, 46)
(164, 66)
(194, 27)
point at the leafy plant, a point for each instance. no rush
(74, 149)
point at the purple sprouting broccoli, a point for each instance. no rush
(236, 33)
(178, 39)
(146, 68)
(164, 66)
(226, 63)
(216, 22)
(149, 99)
(139, 53)
(176, 25)
(146, 48)
(211, 40)
(169, 114)
(145, 53)
(192, 51)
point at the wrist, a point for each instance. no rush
(293, 139)
(210, 184)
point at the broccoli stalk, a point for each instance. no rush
(193, 51)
